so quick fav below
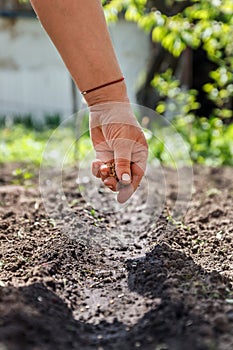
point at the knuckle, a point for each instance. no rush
(122, 163)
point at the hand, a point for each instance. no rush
(120, 146)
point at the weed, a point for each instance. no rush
(22, 176)
(93, 213)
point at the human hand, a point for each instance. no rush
(120, 146)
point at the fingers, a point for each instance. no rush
(125, 192)
(96, 164)
(104, 171)
(123, 170)
(138, 167)
(127, 175)
(131, 168)
(111, 183)
(100, 169)
(122, 157)
(122, 141)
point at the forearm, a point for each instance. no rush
(79, 31)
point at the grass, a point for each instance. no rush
(22, 144)
(26, 145)
(208, 142)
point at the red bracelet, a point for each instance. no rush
(101, 86)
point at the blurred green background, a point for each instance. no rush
(188, 79)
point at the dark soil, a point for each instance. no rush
(137, 278)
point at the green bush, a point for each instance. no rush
(199, 23)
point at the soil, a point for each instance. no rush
(74, 277)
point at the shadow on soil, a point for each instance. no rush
(37, 319)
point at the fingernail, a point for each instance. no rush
(125, 177)
(104, 166)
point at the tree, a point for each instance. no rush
(202, 26)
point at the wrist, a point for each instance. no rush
(112, 93)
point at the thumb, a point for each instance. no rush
(122, 166)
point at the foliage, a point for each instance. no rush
(180, 101)
(199, 23)
(209, 139)
(22, 176)
(24, 138)
(22, 144)
(220, 90)
(203, 23)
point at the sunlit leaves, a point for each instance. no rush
(203, 22)
(209, 140)
(220, 90)
(113, 8)
(221, 76)
(133, 9)
(159, 33)
(180, 101)
(153, 19)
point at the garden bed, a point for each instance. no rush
(123, 280)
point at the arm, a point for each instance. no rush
(79, 31)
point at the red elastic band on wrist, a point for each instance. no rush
(101, 86)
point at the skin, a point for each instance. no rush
(79, 31)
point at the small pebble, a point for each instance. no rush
(121, 295)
